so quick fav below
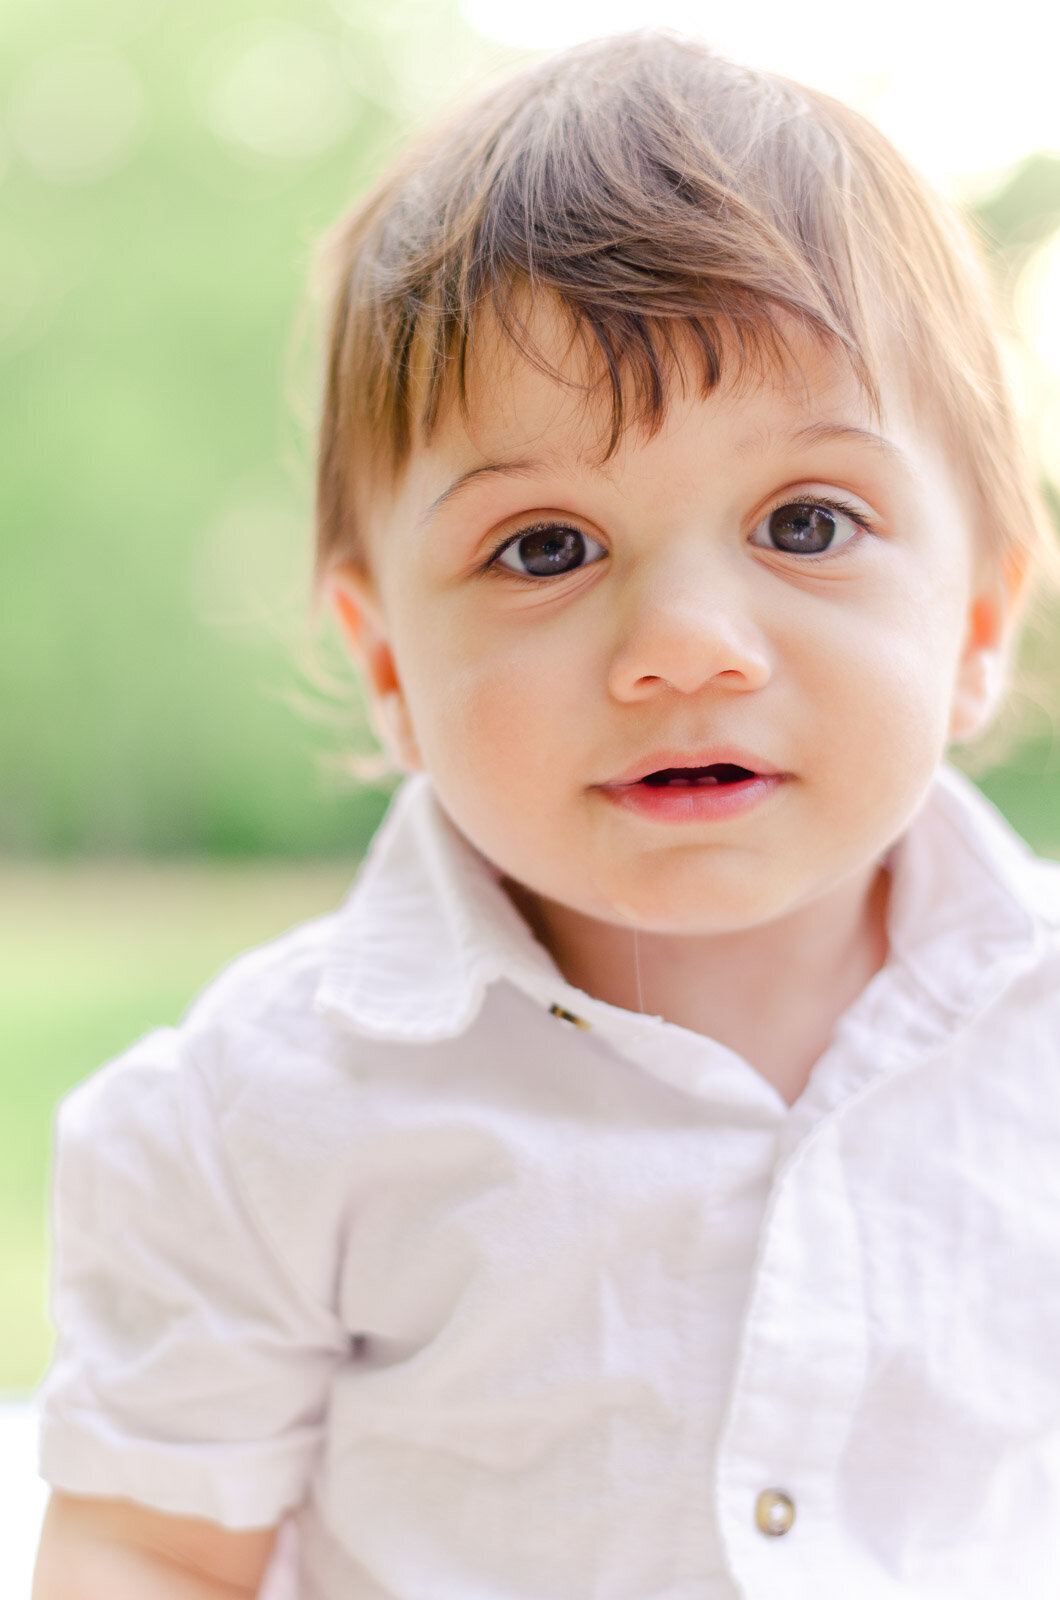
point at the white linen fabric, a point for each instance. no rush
(512, 1308)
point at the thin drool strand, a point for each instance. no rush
(636, 971)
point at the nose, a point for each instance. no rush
(691, 625)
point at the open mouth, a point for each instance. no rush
(718, 774)
(711, 791)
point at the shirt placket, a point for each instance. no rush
(798, 1378)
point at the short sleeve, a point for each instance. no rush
(192, 1370)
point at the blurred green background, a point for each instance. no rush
(169, 731)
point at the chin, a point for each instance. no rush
(689, 915)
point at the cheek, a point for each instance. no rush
(886, 686)
(486, 704)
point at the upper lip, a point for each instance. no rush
(708, 756)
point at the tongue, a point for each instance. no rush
(697, 777)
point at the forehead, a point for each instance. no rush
(551, 392)
(551, 375)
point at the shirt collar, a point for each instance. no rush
(971, 908)
(428, 928)
(425, 931)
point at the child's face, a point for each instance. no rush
(676, 618)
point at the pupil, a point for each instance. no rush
(551, 550)
(802, 529)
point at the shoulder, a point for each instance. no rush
(291, 1084)
(965, 833)
(1023, 1021)
(1039, 886)
(249, 1109)
(1043, 877)
(253, 1027)
(1046, 877)
(263, 1005)
(252, 1037)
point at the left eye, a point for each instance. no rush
(805, 528)
(550, 551)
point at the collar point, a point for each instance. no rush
(372, 1017)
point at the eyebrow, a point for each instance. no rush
(826, 433)
(814, 433)
(500, 469)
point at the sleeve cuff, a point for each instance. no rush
(240, 1486)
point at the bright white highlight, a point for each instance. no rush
(959, 96)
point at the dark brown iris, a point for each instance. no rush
(802, 529)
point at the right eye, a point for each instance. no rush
(548, 551)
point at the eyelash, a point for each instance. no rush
(547, 525)
(825, 502)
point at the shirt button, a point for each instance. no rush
(774, 1512)
(568, 1016)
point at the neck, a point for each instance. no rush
(772, 993)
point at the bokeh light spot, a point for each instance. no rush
(1037, 305)
(75, 114)
(276, 91)
(249, 568)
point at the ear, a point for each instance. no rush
(362, 626)
(983, 668)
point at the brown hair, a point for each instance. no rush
(675, 205)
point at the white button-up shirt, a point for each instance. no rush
(516, 1307)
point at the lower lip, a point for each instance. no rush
(707, 802)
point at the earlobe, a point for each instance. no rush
(363, 628)
(977, 694)
(983, 668)
(394, 727)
